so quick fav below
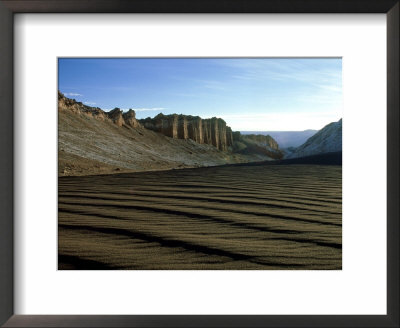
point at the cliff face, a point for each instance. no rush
(117, 116)
(211, 131)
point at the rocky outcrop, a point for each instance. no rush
(211, 131)
(167, 125)
(256, 144)
(263, 140)
(65, 103)
(130, 118)
(117, 116)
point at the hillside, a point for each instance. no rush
(326, 140)
(92, 141)
(256, 145)
(286, 139)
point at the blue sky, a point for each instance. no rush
(250, 94)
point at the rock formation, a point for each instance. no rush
(195, 129)
(263, 145)
(117, 116)
(263, 140)
(93, 141)
(167, 125)
(229, 136)
(130, 118)
(211, 131)
(182, 127)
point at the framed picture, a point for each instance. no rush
(166, 166)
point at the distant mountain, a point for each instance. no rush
(286, 139)
(326, 140)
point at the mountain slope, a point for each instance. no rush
(256, 145)
(91, 141)
(328, 139)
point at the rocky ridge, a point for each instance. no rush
(117, 116)
(92, 141)
(213, 131)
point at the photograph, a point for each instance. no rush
(196, 163)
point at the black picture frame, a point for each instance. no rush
(7, 10)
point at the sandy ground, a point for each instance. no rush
(237, 217)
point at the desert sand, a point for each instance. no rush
(224, 217)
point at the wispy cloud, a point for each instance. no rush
(324, 77)
(90, 103)
(73, 94)
(212, 84)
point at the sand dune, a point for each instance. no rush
(232, 217)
